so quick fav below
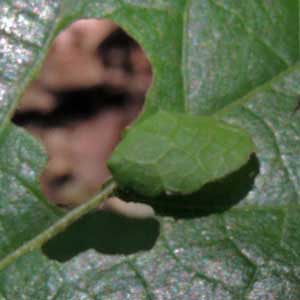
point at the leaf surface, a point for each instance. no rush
(177, 154)
(237, 61)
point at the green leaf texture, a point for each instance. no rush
(237, 61)
(177, 154)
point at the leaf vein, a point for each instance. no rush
(250, 31)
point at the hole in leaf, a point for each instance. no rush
(60, 180)
(92, 85)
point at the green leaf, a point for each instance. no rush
(176, 154)
(237, 60)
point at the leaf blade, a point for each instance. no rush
(177, 154)
(271, 208)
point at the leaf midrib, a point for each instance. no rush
(59, 226)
